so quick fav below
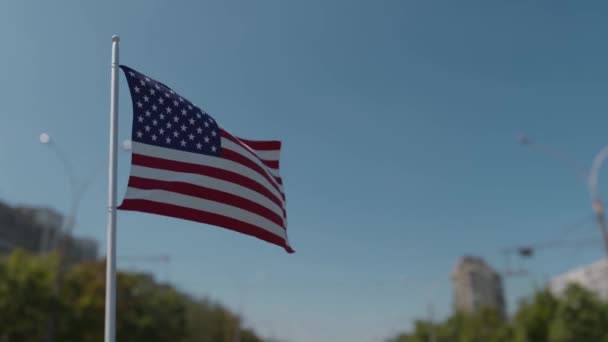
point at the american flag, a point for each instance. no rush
(185, 165)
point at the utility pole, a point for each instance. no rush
(432, 336)
(601, 219)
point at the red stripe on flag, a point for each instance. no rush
(271, 145)
(172, 165)
(204, 217)
(273, 164)
(206, 193)
(260, 145)
(239, 158)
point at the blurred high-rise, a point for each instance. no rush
(39, 230)
(476, 285)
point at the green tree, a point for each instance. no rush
(146, 310)
(580, 316)
(211, 322)
(577, 315)
(25, 297)
(485, 325)
(423, 332)
(532, 321)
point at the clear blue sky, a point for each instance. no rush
(398, 119)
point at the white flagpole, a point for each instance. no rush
(110, 317)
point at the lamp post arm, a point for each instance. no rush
(67, 166)
(594, 173)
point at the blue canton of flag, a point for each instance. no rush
(163, 118)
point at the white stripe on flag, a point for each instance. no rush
(201, 159)
(268, 155)
(195, 203)
(207, 182)
(234, 147)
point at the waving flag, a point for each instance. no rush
(185, 165)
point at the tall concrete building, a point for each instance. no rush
(476, 285)
(46, 223)
(593, 277)
(19, 228)
(39, 230)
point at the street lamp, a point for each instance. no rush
(126, 145)
(589, 176)
(45, 138)
(77, 190)
(74, 190)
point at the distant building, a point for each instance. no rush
(593, 277)
(476, 285)
(18, 230)
(48, 223)
(39, 230)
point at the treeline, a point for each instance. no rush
(576, 316)
(146, 310)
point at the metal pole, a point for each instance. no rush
(110, 316)
(593, 183)
(432, 337)
(601, 219)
